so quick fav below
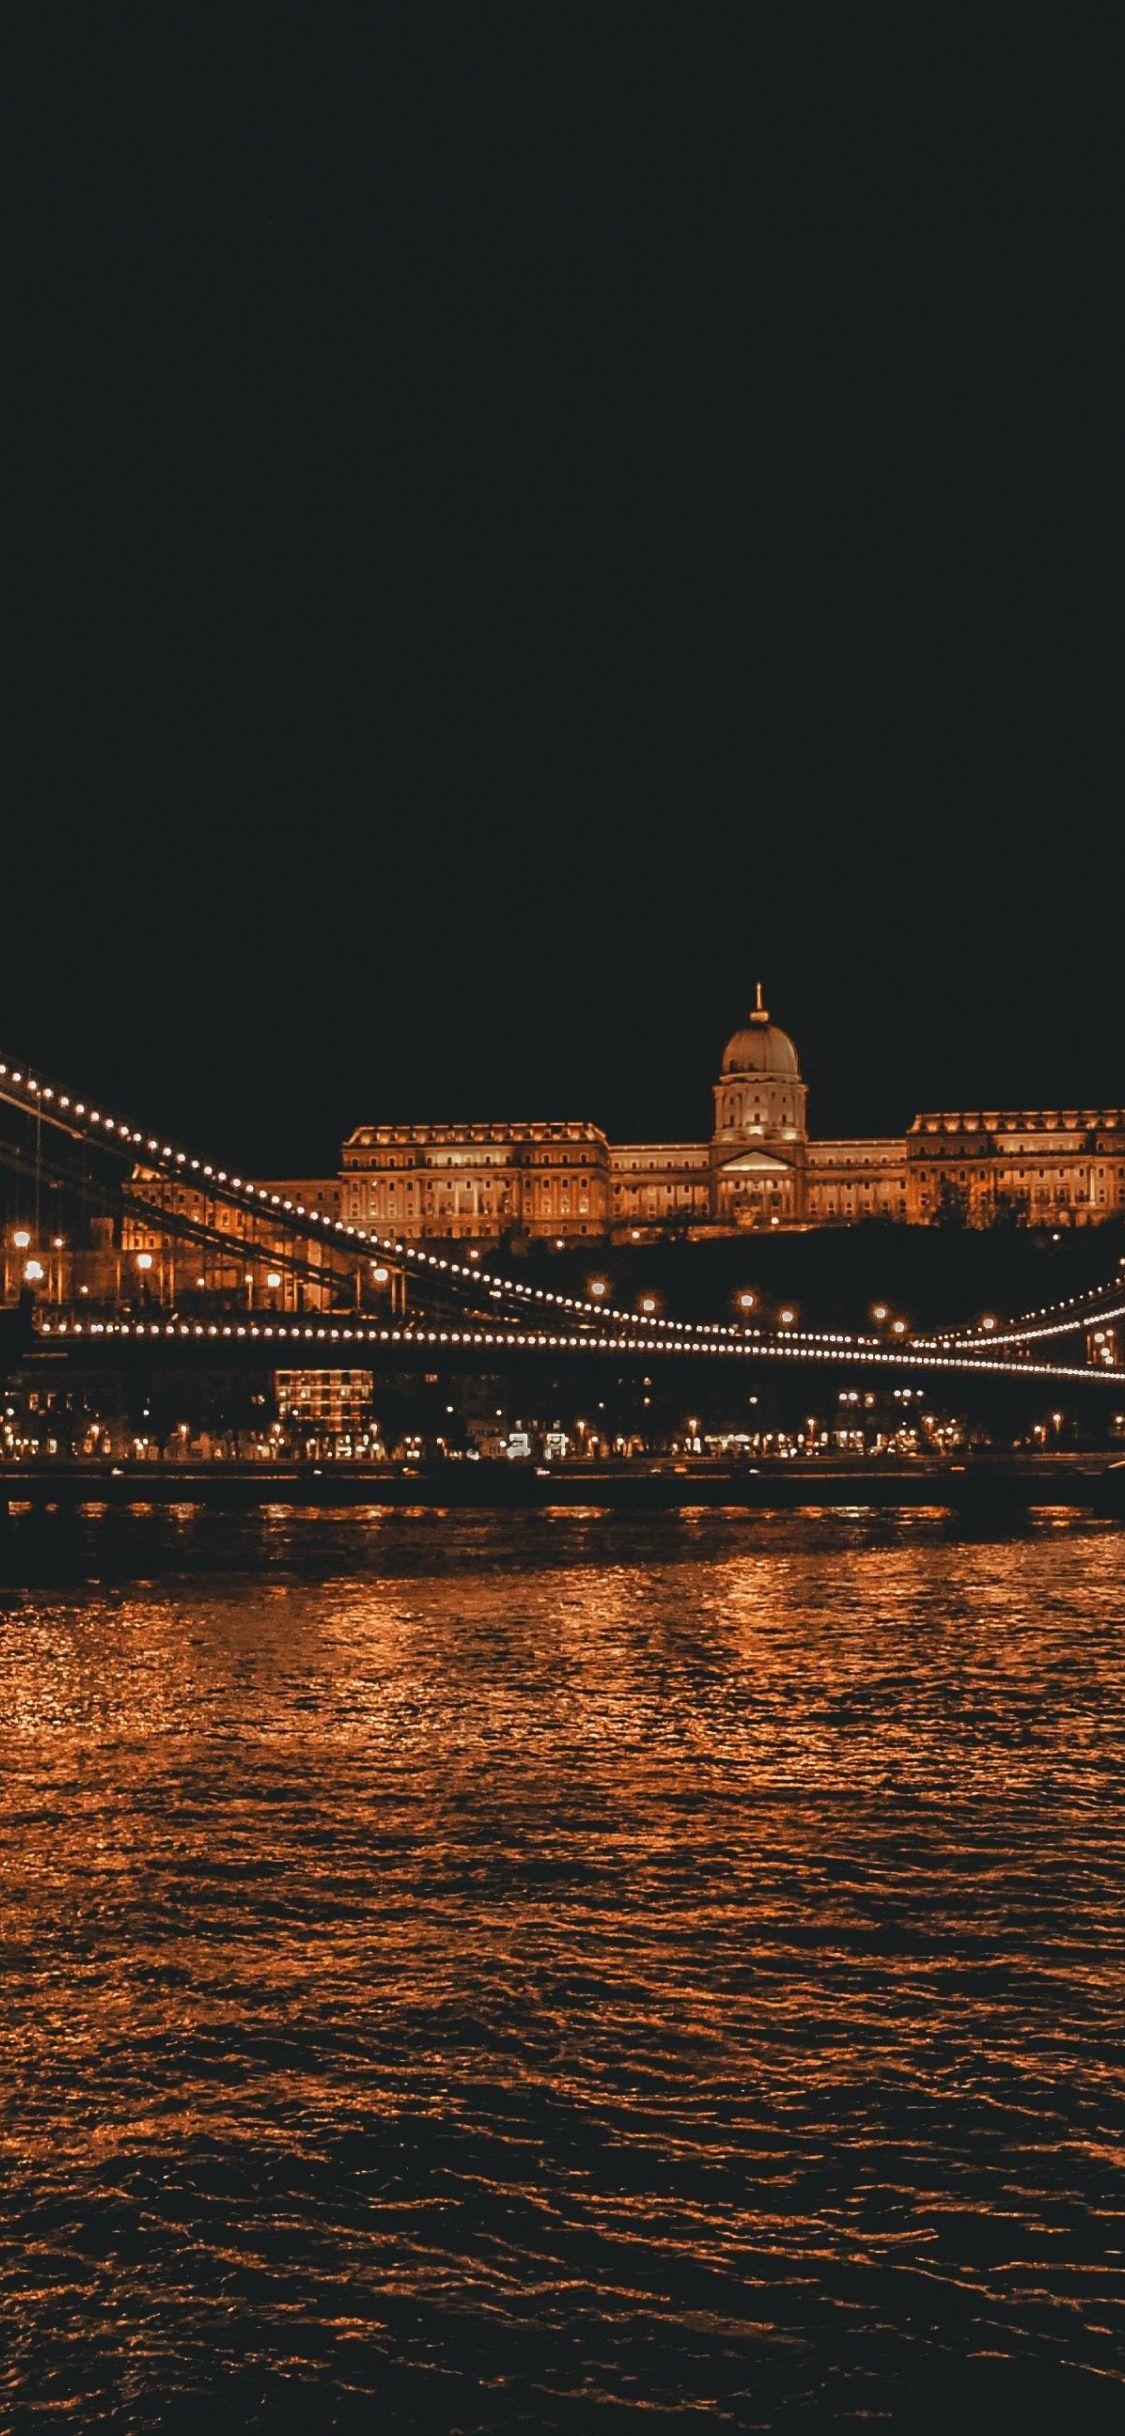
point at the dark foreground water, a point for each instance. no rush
(561, 1975)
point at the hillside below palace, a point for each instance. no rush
(566, 1181)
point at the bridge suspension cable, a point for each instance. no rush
(1075, 1313)
(52, 1105)
(81, 1333)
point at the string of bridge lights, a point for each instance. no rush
(780, 1349)
(1083, 1311)
(77, 1117)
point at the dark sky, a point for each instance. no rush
(527, 520)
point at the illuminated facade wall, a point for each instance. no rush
(759, 1168)
(1053, 1166)
(566, 1182)
(846, 1181)
(477, 1182)
(330, 1400)
(653, 1183)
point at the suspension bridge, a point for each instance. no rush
(438, 1313)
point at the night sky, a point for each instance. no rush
(529, 520)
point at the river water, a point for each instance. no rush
(559, 1974)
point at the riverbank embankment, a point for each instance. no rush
(1095, 1483)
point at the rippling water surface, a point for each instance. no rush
(560, 1975)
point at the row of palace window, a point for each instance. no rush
(443, 1188)
(831, 1210)
(503, 1157)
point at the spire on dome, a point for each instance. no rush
(759, 1012)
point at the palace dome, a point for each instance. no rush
(761, 1047)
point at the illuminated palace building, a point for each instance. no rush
(564, 1182)
(559, 1182)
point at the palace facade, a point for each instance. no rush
(566, 1182)
(759, 1167)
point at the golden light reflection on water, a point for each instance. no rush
(676, 1962)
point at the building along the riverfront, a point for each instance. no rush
(758, 1168)
(566, 1183)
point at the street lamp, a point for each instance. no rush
(597, 1288)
